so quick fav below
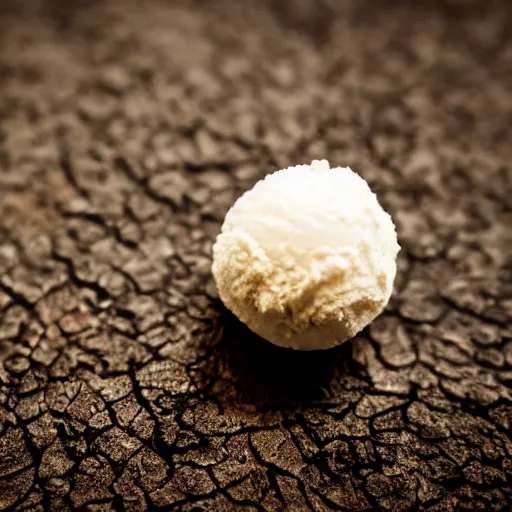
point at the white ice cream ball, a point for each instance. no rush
(307, 257)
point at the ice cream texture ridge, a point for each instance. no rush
(307, 257)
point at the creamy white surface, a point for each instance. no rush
(307, 257)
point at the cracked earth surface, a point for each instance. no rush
(126, 132)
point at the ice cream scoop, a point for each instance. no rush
(307, 257)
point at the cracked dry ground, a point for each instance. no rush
(126, 133)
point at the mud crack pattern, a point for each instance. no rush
(127, 129)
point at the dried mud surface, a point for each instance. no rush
(127, 129)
